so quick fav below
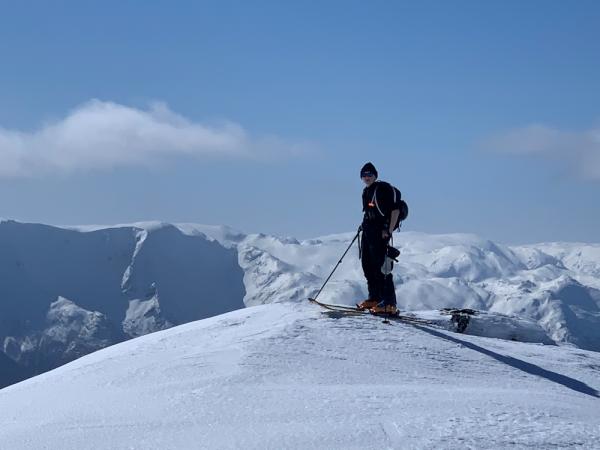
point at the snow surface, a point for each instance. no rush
(288, 375)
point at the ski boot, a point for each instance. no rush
(382, 309)
(367, 304)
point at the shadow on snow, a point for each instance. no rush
(529, 368)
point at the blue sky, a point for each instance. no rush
(484, 114)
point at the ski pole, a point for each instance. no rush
(336, 266)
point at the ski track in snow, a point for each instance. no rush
(288, 376)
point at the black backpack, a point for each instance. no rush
(401, 204)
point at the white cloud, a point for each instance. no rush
(101, 135)
(579, 151)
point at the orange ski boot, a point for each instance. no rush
(383, 309)
(367, 304)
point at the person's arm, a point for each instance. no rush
(395, 215)
(390, 199)
(394, 218)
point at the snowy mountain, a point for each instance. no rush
(70, 332)
(556, 285)
(67, 291)
(288, 375)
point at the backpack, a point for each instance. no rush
(401, 204)
(403, 207)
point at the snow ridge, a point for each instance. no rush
(288, 376)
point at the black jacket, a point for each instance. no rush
(379, 200)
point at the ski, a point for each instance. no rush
(404, 318)
(460, 318)
(335, 307)
(357, 311)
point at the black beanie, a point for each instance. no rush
(368, 167)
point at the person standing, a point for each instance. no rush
(381, 207)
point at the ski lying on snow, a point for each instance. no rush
(334, 307)
(460, 318)
(357, 311)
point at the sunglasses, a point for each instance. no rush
(367, 174)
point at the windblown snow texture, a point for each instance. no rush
(288, 376)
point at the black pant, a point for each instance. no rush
(373, 250)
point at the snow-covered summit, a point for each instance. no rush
(286, 375)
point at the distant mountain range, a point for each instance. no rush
(68, 291)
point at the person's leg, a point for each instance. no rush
(369, 268)
(389, 291)
(378, 250)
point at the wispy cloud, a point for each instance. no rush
(579, 151)
(101, 135)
